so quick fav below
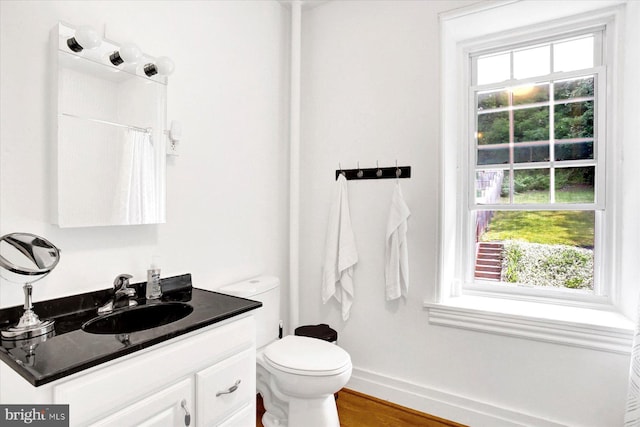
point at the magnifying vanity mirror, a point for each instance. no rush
(110, 122)
(24, 259)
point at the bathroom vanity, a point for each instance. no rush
(198, 370)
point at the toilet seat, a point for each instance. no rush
(307, 356)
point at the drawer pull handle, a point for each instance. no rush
(187, 415)
(229, 390)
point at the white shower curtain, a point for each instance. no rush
(632, 413)
(137, 178)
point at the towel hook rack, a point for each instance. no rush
(375, 173)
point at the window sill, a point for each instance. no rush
(573, 326)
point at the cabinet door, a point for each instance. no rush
(225, 388)
(162, 409)
(243, 418)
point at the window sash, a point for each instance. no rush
(598, 160)
(473, 286)
(596, 31)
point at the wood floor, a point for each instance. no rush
(359, 410)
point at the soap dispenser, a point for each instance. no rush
(154, 290)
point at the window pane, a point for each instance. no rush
(573, 55)
(492, 186)
(574, 150)
(575, 185)
(531, 62)
(494, 68)
(531, 186)
(493, 154)
(531, 152)
(531, 135)
(574, 120)
(490, 100)
(493, 128)
(575, 88)
(493, 138)
(536, 248)
(530, 94)
(531, 124)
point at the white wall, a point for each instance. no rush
(227, 192)
(370, 83)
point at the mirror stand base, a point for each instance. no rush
(28, 328)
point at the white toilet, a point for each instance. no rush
(296, 376)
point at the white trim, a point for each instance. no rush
(442, 404)
(294, 165)
(572, 326)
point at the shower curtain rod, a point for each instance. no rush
(146, 130)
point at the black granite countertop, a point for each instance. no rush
(69, 349)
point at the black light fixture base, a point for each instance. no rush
(115, 58)
(74, 45)
(150, 70)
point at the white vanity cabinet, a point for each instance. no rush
(203, 378)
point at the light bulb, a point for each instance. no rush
(128, 52)
(164, 65)
(85, 38)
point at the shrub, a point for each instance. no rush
(559, 266)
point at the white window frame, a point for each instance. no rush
(601, 294)
(596, 325)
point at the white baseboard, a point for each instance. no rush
(441, 404)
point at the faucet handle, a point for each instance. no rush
(121, 281)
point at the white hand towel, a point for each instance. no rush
(397, 254)
(341, 254)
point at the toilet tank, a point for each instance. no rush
(265, 289)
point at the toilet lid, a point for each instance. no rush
(306, 356)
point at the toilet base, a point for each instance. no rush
(321, 412)
(282, 411)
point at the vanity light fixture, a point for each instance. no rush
(163, 66)
(85, 38)
(129, 53)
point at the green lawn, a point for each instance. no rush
(574, 228)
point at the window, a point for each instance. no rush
(537, 167)
(524, 134)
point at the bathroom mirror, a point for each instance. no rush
(110, 152)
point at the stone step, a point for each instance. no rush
(497, 252)
(490, 245)
(489, 261)
(489, 257)
(489, 268)
(487, 276)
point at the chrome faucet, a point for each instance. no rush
(123, 295)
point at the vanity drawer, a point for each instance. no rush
(225, 388)
(167, 408)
